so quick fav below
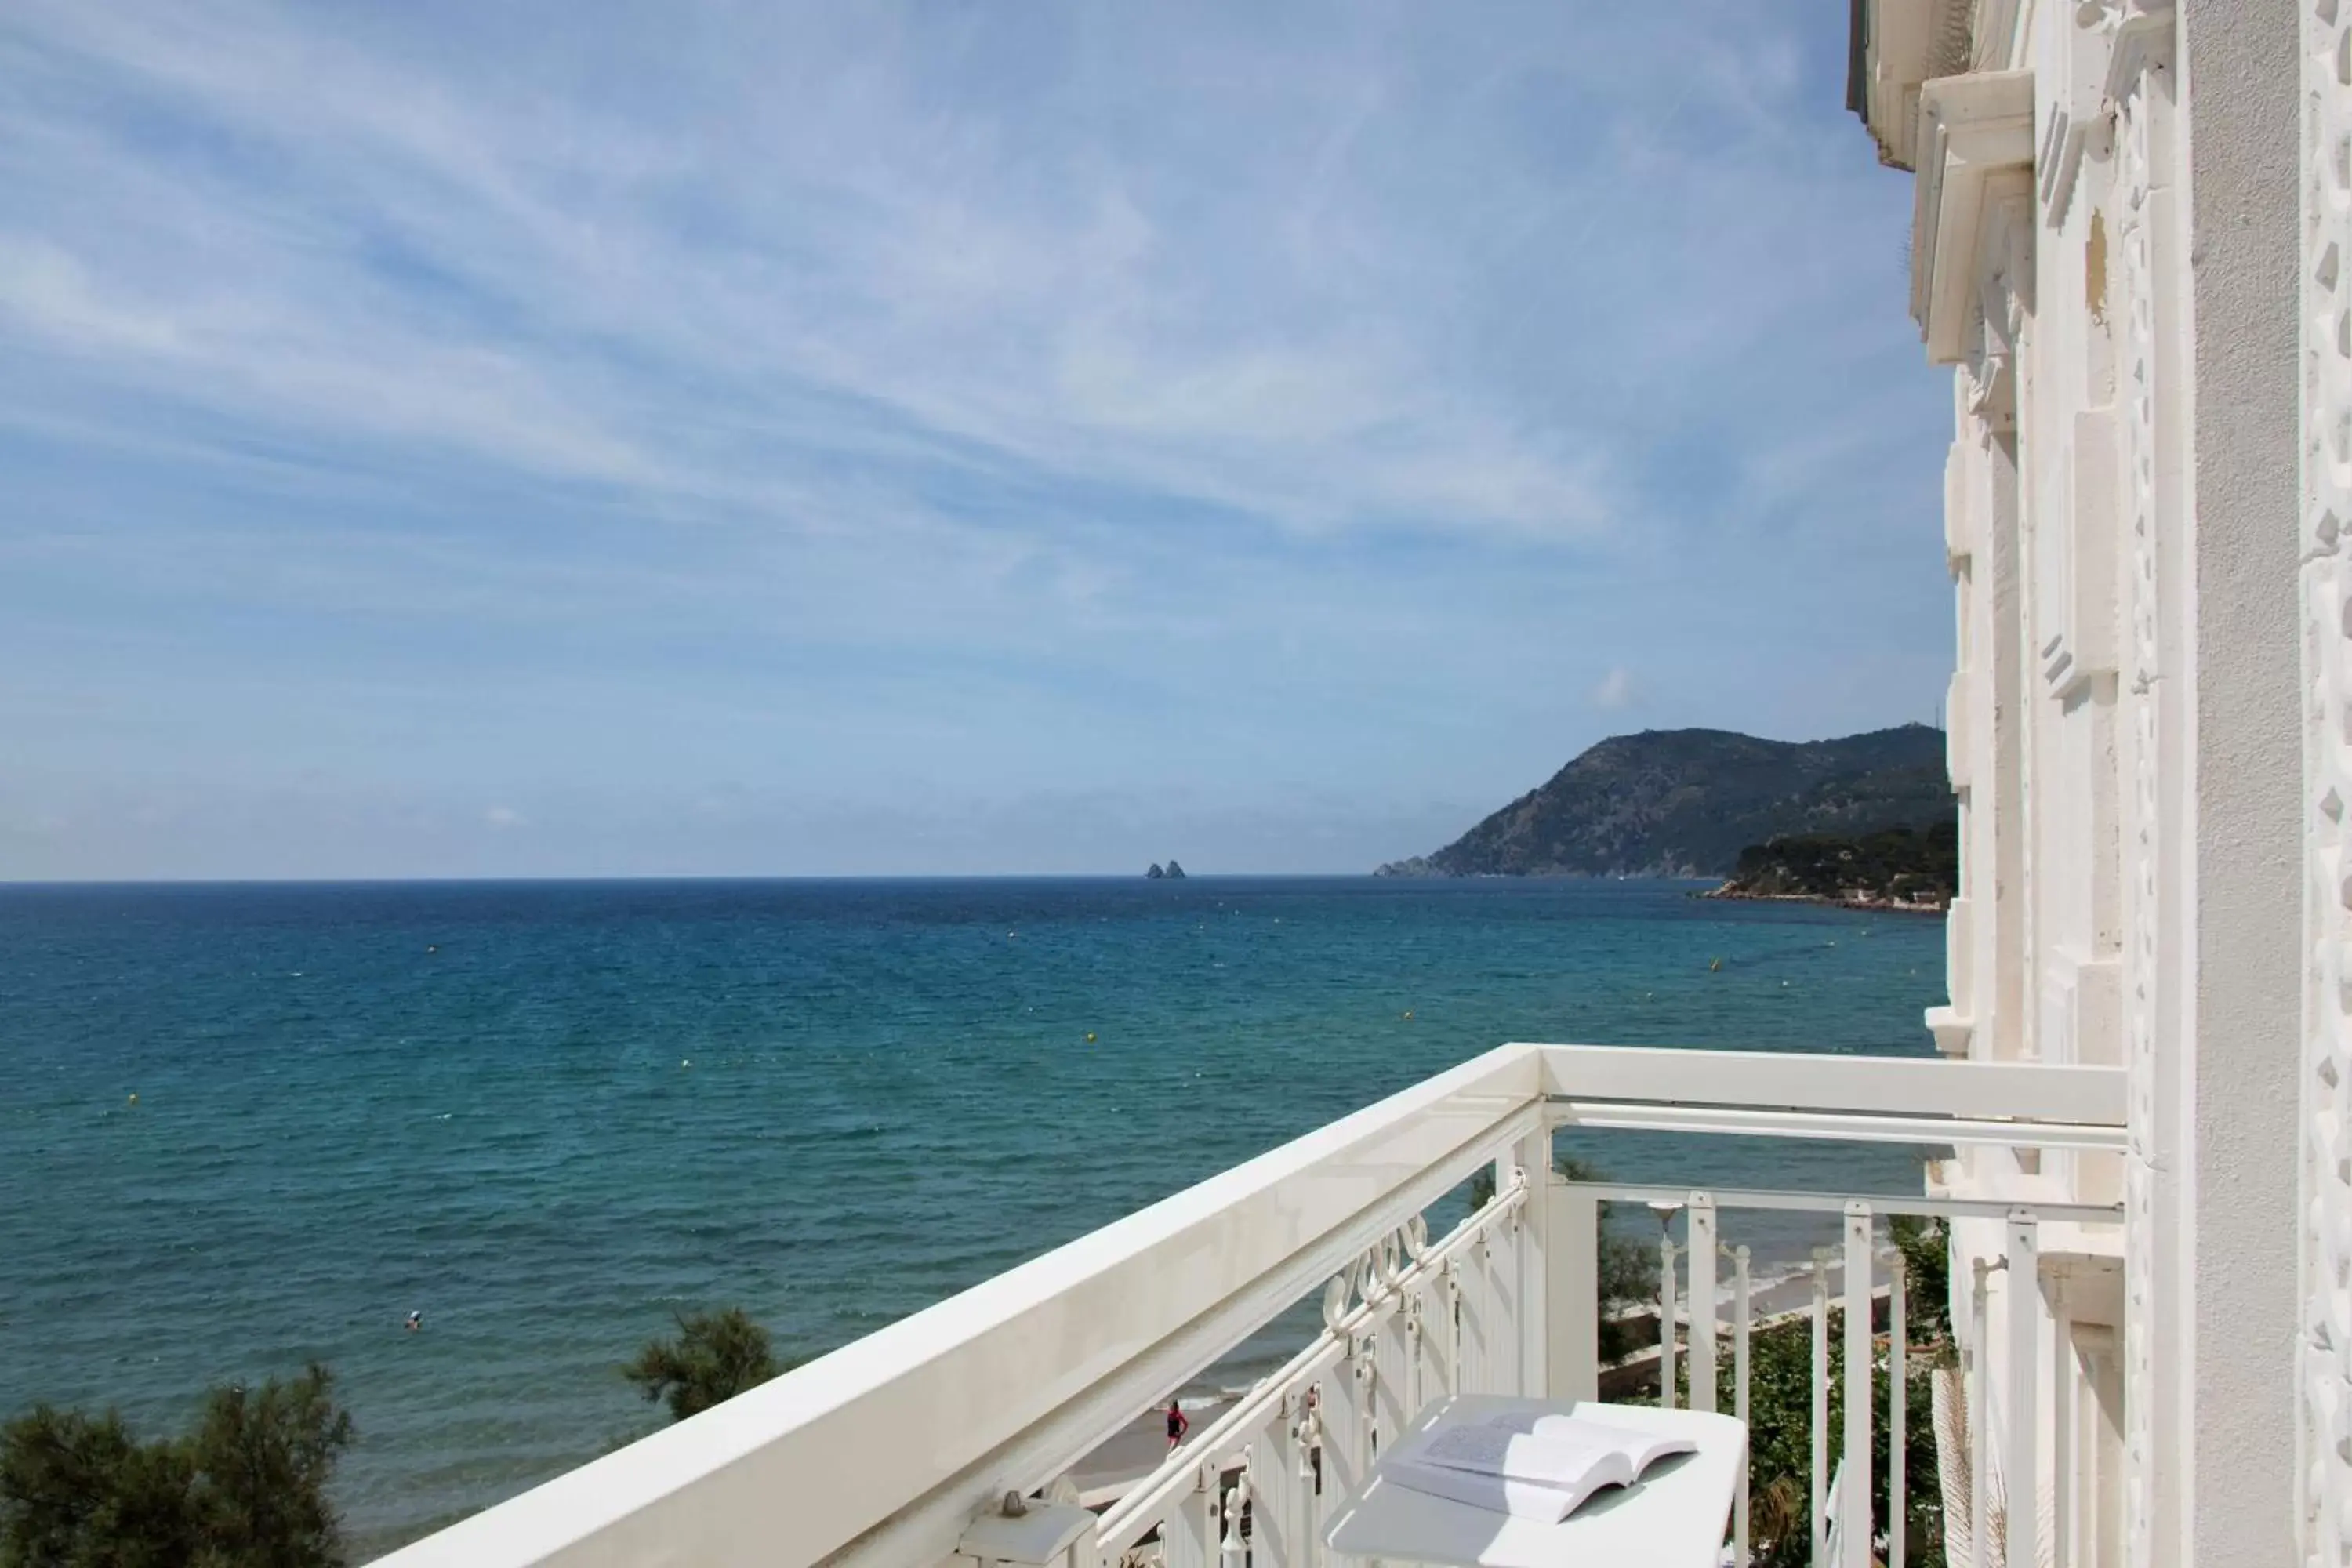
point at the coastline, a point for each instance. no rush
(1732, 892)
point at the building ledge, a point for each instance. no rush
(1970, 129)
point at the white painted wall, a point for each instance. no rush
(2238, 71)
(2127, 728)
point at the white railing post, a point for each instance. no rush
(2021, 1466)
(1666, 1308)
(1854, 1508)
(1979, 1452)
(1391, 1351)
(1572, 1291)
(1742, 1312)
(1341, 1422)
(1817, 1498)
(2062, 1441)
(1190, 1538)
(1271, 1463)
(1315, 1509)
(1702, 1301)
(1898, 1410)
(1472, 1317)
(1499, 1260)
(1534, 1234)
(1429, 1317)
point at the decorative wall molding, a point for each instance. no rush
(2324, 1485)
(2140, 203)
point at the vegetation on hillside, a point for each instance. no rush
(1686, 802)
(245, 1488)
(1897, 865)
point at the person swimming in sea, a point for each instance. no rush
(415, 1322)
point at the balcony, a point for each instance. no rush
(901, 1448)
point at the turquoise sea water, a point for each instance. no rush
(474, 1101)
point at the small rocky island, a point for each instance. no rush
(1170, 872)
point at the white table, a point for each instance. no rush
(1674, 1518)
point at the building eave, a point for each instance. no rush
(1969, 129)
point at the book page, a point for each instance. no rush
(1569, 1461)
(1638, 1449)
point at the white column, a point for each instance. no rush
(1666, 1293)
(1818, 1495)
(1533, 1154)
(1854, 1509)
(1898, 1409)
(1572, 1292)
(2021, 1460)
(1741, 1313)
(1702, 1300)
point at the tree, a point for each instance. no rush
(247, 1487)
(78, 1491)
(716, 1356)
(262, 1463)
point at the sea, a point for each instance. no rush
(243, 1127)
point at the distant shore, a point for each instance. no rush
(1735, 892)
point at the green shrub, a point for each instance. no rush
(246, 1487)
(715, 1356)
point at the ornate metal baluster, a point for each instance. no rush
(1470, 1274)
(1310, 1432)
(1231, 1547)
(1427, 1365)
(1392, 1355)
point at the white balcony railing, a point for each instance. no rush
(890, 1450)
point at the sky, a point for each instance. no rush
(732, 439)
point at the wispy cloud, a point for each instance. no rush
(1070, 381)
(1615, 690)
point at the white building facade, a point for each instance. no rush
(2125, 243)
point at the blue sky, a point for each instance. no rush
(571, 439)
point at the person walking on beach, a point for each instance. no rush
(1178, 1424)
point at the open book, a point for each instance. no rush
(1532, 1466)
